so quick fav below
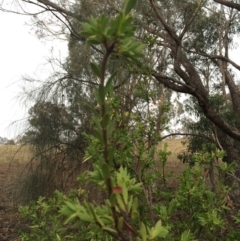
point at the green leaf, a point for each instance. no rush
(120, 203)
(120, 224)
(128, 6)
(98, 135)
(130, 202)
(113, 199)
(135, 204)
(110, 230)
(99, 221)
(71, 206)
(134, 214)
(187, 236)
(85, 217)
(98, 97)
(125, 193)
(143, 232)
(110, 154)
(93, 40)
(105, 120)
(86, 158)
(109, 85)
(107, 220)
(58, 237)
(111, 128)
(161, 231)
(71, 218)
(125, 26)
(105, 170)
(96, 69)
(136, 188)
(66, 211)
(101, 91)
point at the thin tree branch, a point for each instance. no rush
(186, 134)
(54, 6)
(228, 4)
(190, 21)
(165, 25)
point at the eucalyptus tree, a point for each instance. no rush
(188, 51)
(137, 93)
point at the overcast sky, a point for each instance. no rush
(21, 53)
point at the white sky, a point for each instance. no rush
(21, 53)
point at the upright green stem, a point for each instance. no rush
(109, 50)
(103, 112)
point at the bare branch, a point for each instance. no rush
(187, 134)
(191, 20)
(163, 22)
(228, 4)
(54, 6)
(218, 57)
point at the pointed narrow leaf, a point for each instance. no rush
(101, 91)
(120, 203)
(187, 236)
(109, 84)
(125, 193)
(112, 199)
(98, 135)
(105, 120)
(110, 230)
(134, 214)
(98, 98)
(71, 206)
(86, 158)
(105, 170)
(135, 204)
(160, 230)
(143, 232)
(71, 218)
(130, 202)
(85, 217)
(96, 69)
(120, 224)
(129, 4)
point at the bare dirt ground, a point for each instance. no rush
(12, 165)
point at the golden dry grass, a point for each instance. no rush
(175, 147)
(174, 165)
(15, 154)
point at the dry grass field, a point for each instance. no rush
(174, 165)
(15, 154)
(174, 146)
(13, 160)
